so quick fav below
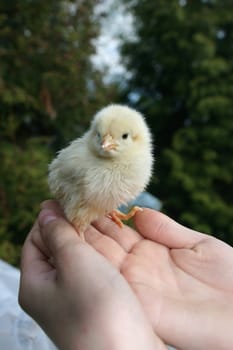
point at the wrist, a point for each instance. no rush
(116, 326)
(222, 329)
(212, 328)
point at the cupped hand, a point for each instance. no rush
(75, 294)
(183, 278)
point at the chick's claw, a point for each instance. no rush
(82, 236)
(117, 215)
(80, 231)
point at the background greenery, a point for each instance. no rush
(182, 64)
(181, 78)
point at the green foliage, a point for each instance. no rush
(183, 74)
(48, 93)
(45, 66)
(23, 186)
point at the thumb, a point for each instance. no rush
(210, 260)
(158, 227)
(57, 233)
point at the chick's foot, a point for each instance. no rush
(117, 215)
(82, 236)
(79, 229)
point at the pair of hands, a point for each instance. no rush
(126, 289)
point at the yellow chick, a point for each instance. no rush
(108, 166)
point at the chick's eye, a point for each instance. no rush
(125, 136)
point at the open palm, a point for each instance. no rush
(184, 279)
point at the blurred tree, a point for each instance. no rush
(48, 92)
(47, 80)
(182, 79)
(23, 186)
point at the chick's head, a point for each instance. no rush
(118, 130)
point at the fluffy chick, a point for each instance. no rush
(108, 166)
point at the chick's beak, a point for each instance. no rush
(108, 143)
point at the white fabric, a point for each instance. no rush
(17, 330)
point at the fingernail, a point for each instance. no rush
(46, 216)
(45, 204)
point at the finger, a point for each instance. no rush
(106, 246)
(33, 258)
(126, 237)
(162, 229)
(34, 266)
(30, 252)
(52, 205)
(58, 234)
